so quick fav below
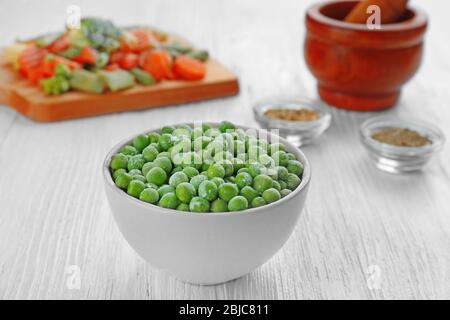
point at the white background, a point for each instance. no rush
(54, 215)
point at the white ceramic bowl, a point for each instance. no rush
(206, 248)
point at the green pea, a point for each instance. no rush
(249, 193)
(216, 170)
(164, 154)
(167, 130)
(153, 137)
(205, 127)
(164, 163)
(293, 181)
(136, 162)
(258, 202)
(150, 153)
(183, 207)
(165, 141)
(128, 150)
(256, 169)
(190, 172)
(117, 172)
(119, 161)
(283, 184)
(135, 187)
(185, 192)
(243, 170)
(146, 167)
(266, 161)
(139, 177)
(285, 192)
(207, 190)
(151, 185)
(271, 195)
(176, 169)
(218, 181)
(141, 141)
(228, 191)
(295, 167)
(262, 182)
(238, 203)
(230, 180)
(198, 204)
(282, 173)
(123, 180)
(165, 189)
(181, 132)
(219, 205)
(274, 147)
(195, 181)
(177, 178)
(169, 201)
(228, 166)
(280, 158)
(149, 195)
(290, 156)
(196, 133)
(157, 176)
(224, 126)
(244, 179)
(276, 185)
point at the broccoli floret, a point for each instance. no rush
(59, 83)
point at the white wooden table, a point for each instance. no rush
(363, 233)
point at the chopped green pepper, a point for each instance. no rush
(84, 80)
(143, 77)
(117, 80)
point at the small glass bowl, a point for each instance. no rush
(398, 159)
(297, 132)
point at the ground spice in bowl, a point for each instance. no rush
(287, 114)
(402, 137)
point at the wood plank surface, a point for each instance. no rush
(364, 234)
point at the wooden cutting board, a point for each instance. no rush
(16, 92)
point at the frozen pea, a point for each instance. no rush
(135, 187)
(146, 168)
(256, 169)
(276, 185)
(183, 207)
(165, 141)
(167, 129)
(135, 162)
(207, 190)
(153, 137)
(151, 185)
(119, 161)
(219, 205)
(163, 163)
(258, 202)
(216, 170)
(165, 189)
(218, 181)
(190, 172)
(271, 195)
(157, 176)
(295, 167)
(238, 203)
(117, 172)
(122, 180)
(283, 184)
(198, 204)
(285, 192)
(140, 142)
(227, 191)
(149, 195)
(169, 201)
(244, 179)
(225, 126)
(128, 150)
(177, 178)
(195, 181)
(150, 153)
(249, 193)
(185, 192)
(262, 182)
(293, 181)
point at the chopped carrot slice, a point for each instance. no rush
(129, 61)
(159, 64)
(88, 55)
(187, 68)
(59, 45)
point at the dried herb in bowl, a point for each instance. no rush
(288, 114)
(402, 137)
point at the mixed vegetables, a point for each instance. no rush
(100, 56)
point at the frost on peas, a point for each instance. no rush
(205, 169)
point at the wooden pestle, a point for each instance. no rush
(391, 11)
